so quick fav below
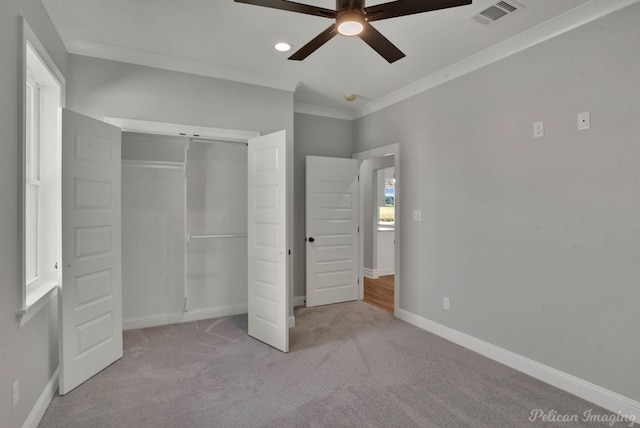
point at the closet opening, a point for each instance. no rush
(184, 229)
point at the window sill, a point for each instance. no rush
(37, 298)
(386, 226)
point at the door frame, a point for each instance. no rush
(210, 133)
(391, 149)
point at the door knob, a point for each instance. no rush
(311, 239)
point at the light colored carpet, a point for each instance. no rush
(350, 365)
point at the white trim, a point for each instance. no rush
(175, 129)
(292, 321)
(38, 410)
(385, 271)
(30, 36)
(586, 390)
(370, 273)
(299, 301)
(180, 317)
(561, 24)
(41, 298)
(31, 304)
(391, 149)
(378, 152)
(324, 111)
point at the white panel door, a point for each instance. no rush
(332, 230)
(267, 240)
(91, 302)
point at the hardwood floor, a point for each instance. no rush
(379, 292)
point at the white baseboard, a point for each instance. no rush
(370, 273)
(299, 301)
(179, 317)
(598, 395)
(385, 271)
(37, 412)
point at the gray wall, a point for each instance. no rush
(30, 353)
(314, 136)
(536, 241)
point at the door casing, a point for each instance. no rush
(392, 149)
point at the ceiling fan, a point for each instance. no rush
(352, 18)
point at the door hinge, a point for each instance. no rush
(358, 280)
(358, 229)
(358, 177)
(289, 252)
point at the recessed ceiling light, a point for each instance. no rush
(283, 47)
(350, 97)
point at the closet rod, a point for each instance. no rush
(218, 235)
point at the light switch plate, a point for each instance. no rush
(538, 129)
(584, 120)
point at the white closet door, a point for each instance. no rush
(267, 241)
(91, 301)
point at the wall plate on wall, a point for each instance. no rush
(584, 120)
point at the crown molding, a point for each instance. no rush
(323, 111)
(181, 130)
(561, 24)
(75, 45)
(152, 59)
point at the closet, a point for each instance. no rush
(184, 229)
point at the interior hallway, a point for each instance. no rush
(379, 292)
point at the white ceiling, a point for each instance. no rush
(234, 41)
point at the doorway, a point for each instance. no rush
(379, 171)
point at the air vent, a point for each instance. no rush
(494, 12)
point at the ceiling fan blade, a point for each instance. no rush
(315, 43)
(381, 44)
(292, 7)
(409, 7)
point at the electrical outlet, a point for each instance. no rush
(16, 392)
(417, 215)
(584, 121)
(445, 303)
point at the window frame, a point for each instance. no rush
(34, 295)
(33, 105)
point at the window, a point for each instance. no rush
(41, 176)
(33, 194)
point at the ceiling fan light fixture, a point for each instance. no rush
(350, 24)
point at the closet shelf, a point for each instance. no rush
(217, 235)
(153, 164)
